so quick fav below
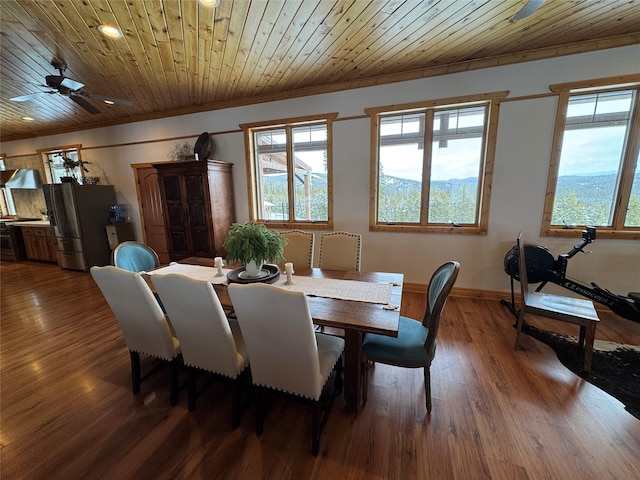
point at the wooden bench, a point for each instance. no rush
(566, 309)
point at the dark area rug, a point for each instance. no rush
(615, 371)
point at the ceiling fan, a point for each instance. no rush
(72, 89)
(528, 9)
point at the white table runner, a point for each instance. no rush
(197, 272)
(315, 287)
(340, 289)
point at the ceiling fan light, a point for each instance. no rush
(210, 3)
(27, 119)
(109, 31)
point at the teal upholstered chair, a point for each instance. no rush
(135, 257)
(415, 345)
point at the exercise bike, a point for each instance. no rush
(542, 268)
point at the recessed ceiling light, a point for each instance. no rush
(28, 119)
(109, 31)
(210, 3)
(109, 102)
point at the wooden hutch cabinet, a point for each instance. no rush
(198, 206)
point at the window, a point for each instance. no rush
(594, 177)
(7, 206)
(289, 166)
(433, 164)
(52, 159)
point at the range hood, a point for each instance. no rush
(20, 178)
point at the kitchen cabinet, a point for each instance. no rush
(198, 206)
(40, 243)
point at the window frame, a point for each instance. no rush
(252, 175)
(628, 163)
(7, 207)
(492, 100)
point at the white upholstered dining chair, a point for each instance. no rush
(142, 321)
(340, 251)
(299, 248)
(209, 341)
(286, 354)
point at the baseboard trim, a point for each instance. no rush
(496, 295)
(460, 292)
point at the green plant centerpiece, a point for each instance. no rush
(252, 245)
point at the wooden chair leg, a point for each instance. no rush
(259, 391)
(236, 406)
(516, 345)
(581, 336)
(135, 371)
(192, 389)
(338, 380)
(174, 384)
(427, 387)
(590, 335)
(315, 434)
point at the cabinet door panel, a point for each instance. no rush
(194, 188)
(172, 188)
(201, 245)
(31, 246)
(174, 212)
(51, 246)
(179, 243)
(198, 216)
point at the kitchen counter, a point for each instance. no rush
(31, 223)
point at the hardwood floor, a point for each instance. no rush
(67, 411)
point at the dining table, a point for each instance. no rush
(355, 318)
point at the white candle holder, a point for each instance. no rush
(288, 268)
(217, 262)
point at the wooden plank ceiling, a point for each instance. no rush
(178, 56)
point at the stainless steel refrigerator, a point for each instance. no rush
(79, 214)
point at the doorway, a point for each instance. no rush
(151, 212)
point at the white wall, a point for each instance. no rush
(522, 156)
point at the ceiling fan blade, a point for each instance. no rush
(71, 84)
(102, 98)
(84, 104)
(529, 9)
(24, 98)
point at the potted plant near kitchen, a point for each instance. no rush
(70, 165)
(252, 245)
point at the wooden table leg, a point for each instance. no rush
(352, 370)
